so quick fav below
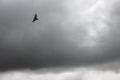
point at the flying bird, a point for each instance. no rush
(35, 18)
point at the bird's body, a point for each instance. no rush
(35, 18)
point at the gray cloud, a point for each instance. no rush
(46, 43)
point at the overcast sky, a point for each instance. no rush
(68, 33)
(72, 40)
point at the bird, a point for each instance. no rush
(35, 18)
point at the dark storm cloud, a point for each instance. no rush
(27, 44)
(24, 44)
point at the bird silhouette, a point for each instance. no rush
(35, 18)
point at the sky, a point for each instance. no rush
(69, 33)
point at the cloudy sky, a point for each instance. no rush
(73, 37)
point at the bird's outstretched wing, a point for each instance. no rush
(35, 18)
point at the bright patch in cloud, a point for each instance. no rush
(88, 21)
(78, 74)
